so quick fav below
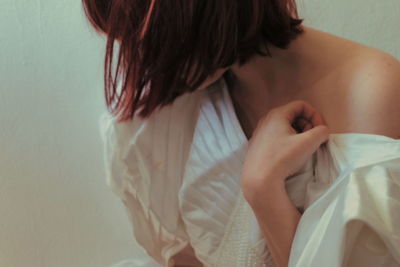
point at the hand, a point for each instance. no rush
(281, 144)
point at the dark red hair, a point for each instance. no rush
(165, 46)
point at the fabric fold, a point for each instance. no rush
(355, 219)
(144, 163)
(178, 174)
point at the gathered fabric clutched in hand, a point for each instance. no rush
(178, 174)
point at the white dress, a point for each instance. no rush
(178, 174)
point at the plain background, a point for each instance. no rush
(55, 207)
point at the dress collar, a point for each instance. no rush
(218, 96)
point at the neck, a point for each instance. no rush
(273, 78)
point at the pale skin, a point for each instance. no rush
(276, 151)
(338, 85)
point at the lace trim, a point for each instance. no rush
(236, 249)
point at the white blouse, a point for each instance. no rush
(178, 174)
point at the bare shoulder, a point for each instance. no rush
(374, 81)
(363, 93)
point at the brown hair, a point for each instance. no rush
(168, 48)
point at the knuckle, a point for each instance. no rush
(273, 111)
(325, 130)
(300, 102)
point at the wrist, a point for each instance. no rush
(264, 193)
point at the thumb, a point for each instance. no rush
(314, 137)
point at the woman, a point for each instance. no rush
(234, 103)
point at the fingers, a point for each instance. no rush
(301, 124)
(313, 128)
(316, 136)
(300, 108)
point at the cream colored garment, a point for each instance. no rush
(178, 174)
(352, 215)
(144, 164)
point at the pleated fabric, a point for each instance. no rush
(144, 164)
(221, 226)
(178, 174)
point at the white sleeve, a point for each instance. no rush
(128, 175)
(356, 221)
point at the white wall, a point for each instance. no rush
(370, 22)
(55, 209)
